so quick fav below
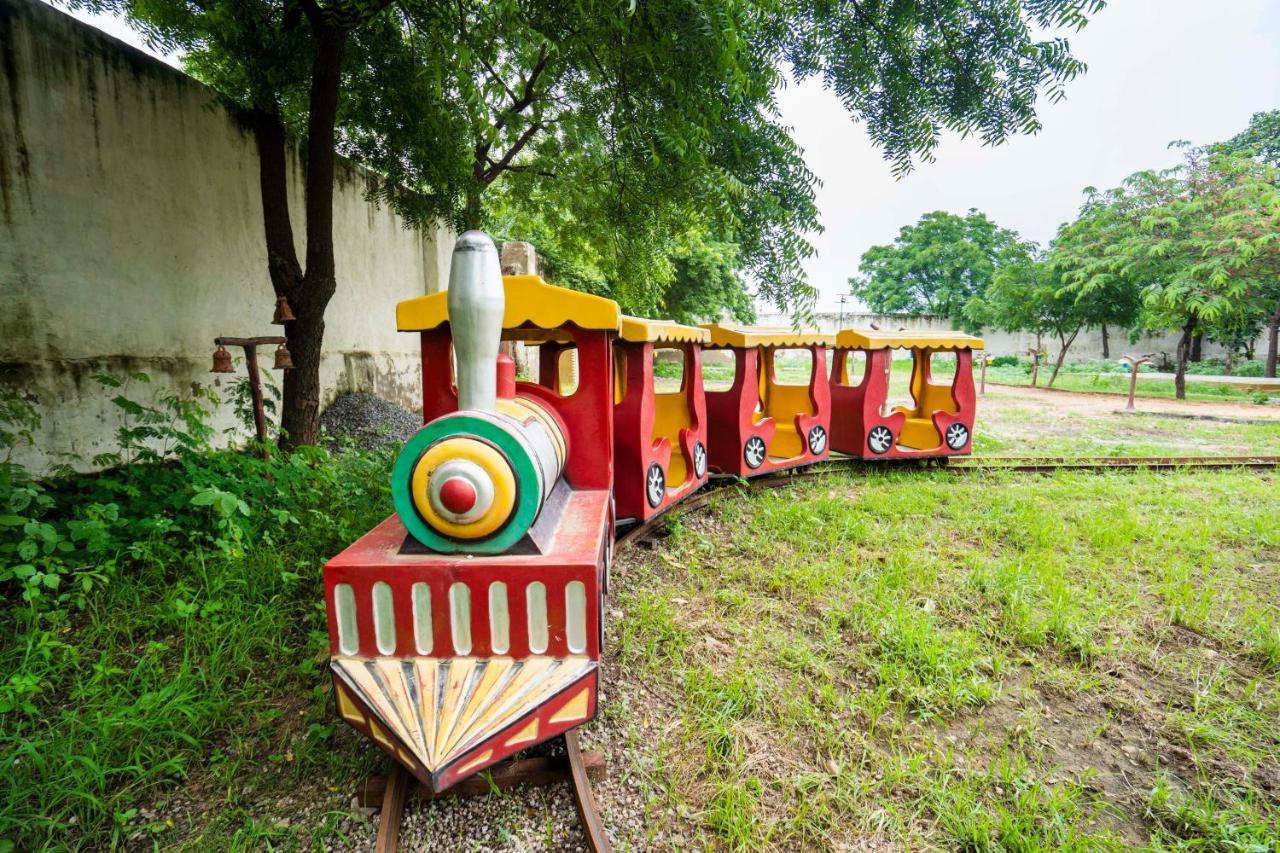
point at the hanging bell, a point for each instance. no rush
(284, 361)
(284, 313)
(222, 361)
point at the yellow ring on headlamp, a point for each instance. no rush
(490, 461)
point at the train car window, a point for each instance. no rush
(499, 619)
(900, 367)
(855, 368)
(422, 636)
(567, 371)
(942, 368)
(535, 597)
(344, 607)
(718, 369)
(668, 370)
(575, 615)
(792, 367)
(460, 617)
(619, 373)
(384, 618)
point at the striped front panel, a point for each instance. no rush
(509, 612)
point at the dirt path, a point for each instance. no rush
(1103, 403)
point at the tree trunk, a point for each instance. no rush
(471, 213)
(300, 413)
(1273, 335)
(273, 184)
(1184, 353)
(1106, 343)
(1062, 353)
(1197, 344)
(1228, 362)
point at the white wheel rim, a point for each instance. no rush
(656, 485)
(880, 439)
(755, 451)
(957, 435)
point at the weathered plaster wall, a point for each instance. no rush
(131, 236)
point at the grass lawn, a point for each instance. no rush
(968, 662)
(881, 660)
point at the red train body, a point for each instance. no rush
(468, 626)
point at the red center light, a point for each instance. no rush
(457, 495)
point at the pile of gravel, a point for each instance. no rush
(368, 421)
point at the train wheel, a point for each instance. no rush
(880, 439)
(699, 460)
(655, 485)
(957, 436)
(817, 440)
(753, 452)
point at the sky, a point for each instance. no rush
(1159, 70)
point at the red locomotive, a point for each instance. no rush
(467, 626)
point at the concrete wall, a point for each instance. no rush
(1087, 345)
(131, 236)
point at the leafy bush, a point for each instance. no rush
(156, 604)
(1005, 361)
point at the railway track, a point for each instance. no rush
(575, 765)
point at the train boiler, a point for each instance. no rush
(466, 627)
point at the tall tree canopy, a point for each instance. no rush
(937, 265)
(1200, 242)
(1028, 294)
(639, 121)
(1260, 139)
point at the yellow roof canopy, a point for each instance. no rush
(530, 302)
(906, 339)
(761, 336)
(641, 330)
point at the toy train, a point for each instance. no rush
(468, 625)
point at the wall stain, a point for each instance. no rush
(9, 61)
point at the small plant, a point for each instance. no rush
(152, 432)
(241, 398)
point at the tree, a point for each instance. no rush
(652, 115)
(283, 64)
(1199, 241)
(936, 266)
(1261, 140)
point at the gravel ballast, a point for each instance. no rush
(368, 421)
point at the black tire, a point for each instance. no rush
(957, 436)
(753, 452)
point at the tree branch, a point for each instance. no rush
(501, 165)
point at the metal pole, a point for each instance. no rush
(982, 389)
(1134, 361)
(255, 391)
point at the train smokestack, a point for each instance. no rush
(476, 304)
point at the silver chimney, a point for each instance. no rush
(476, 304)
